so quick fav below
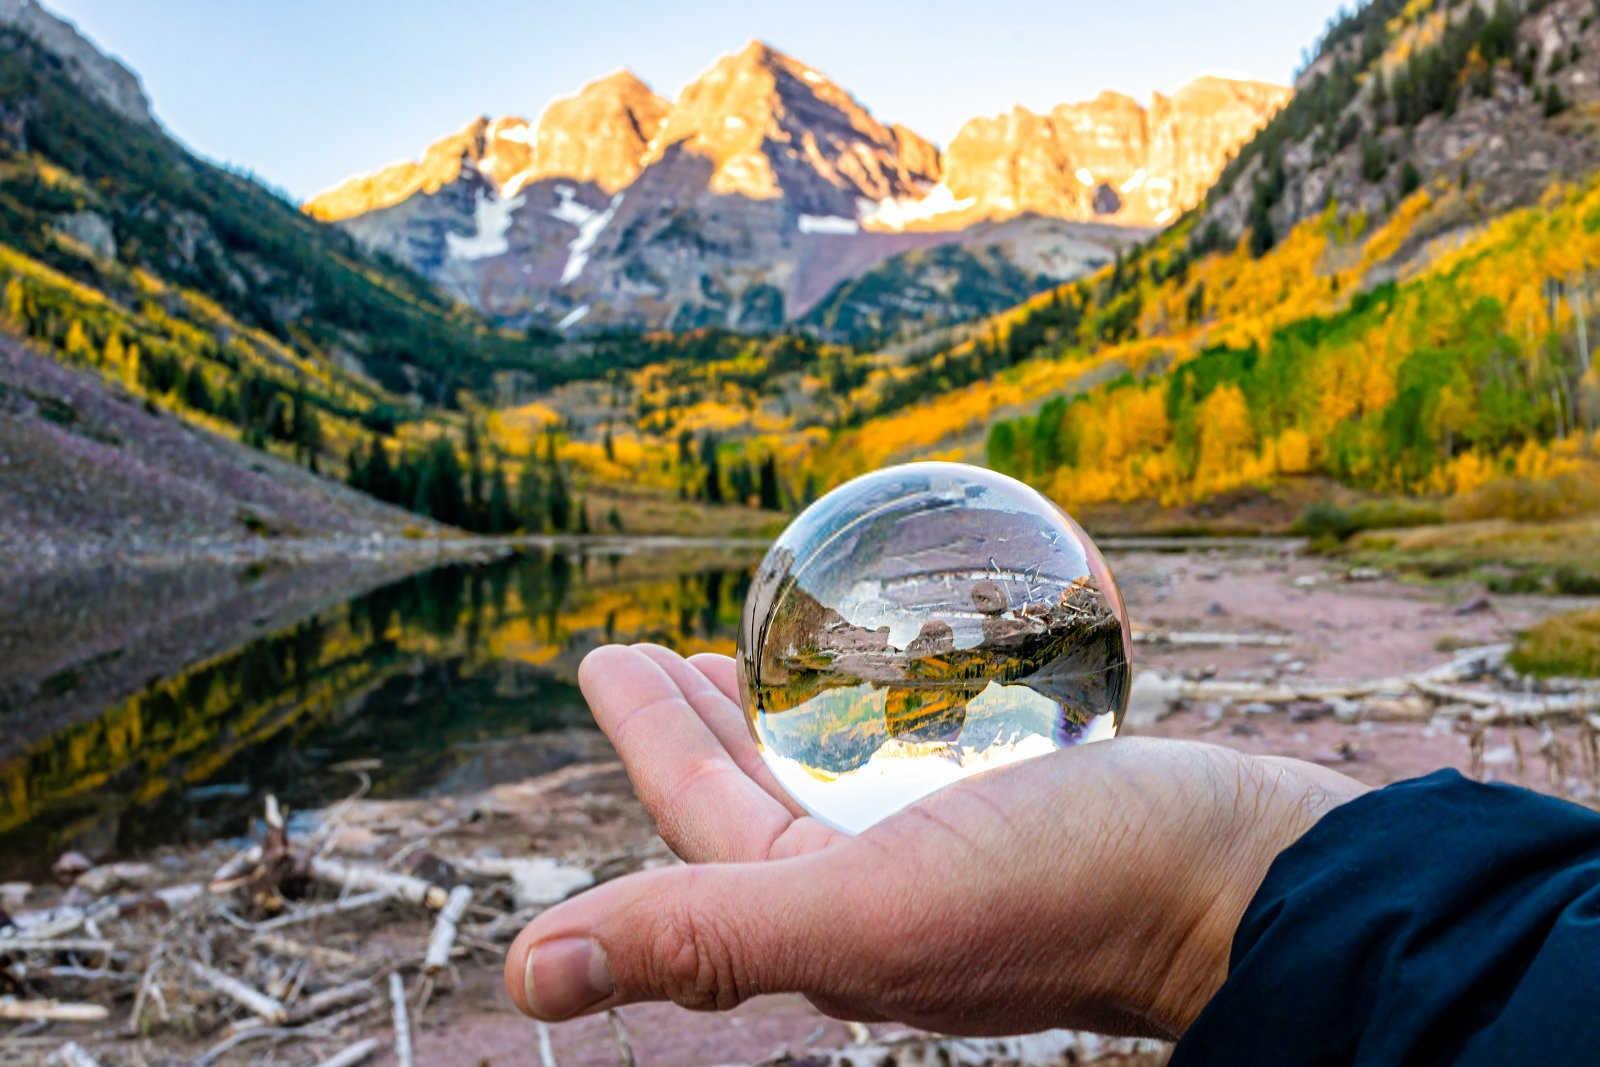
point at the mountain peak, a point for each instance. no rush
(621, 78)
(773, 126)
(761, 53)
(598, 134)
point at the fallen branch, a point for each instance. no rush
(1535, 709)
(359, 1052)
(50, 1011)
(256, 1001)
(444, 930)
(88, 974)
(329, 999)
(1452, 694)
(323, 957)
(536, 881)
(60, 944)
(319, 911)
(401, 1019)
(1466, 665)
(43, 925)
(410, 889)
(254, 1033)
(236, 872)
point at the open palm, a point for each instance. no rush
(1098, 887)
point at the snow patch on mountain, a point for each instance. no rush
(572, 318)
(828, 224)
(589, 229)
(896, 213)
(569, 209)
(492, 217)
(522, 132)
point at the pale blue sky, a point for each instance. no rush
(306, 92)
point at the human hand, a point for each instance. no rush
(1096, 888)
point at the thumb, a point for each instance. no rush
(706, 937)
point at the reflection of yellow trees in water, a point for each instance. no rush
(178, 731)
(542, 612)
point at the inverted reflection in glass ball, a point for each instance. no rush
(921, 624)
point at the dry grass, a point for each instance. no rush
(1566, 552)
(1565, 496)
(1561, 646)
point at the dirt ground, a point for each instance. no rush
(1327, 625)
(1339, 630)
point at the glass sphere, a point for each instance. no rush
(921, 624)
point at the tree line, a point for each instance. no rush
(476, 495)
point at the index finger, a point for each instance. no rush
(704, 805)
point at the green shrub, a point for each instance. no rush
(1564, 645)
(1516, 582)
(1324, 520)
(1572, 581)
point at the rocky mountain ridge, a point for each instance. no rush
(1110, 157)
(1494, 97)
(765, 187)
(92, 71)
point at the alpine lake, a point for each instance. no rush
(441, 680)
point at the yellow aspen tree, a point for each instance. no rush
(1293, 452)
(16, 302)
(1226, 436)
(77, 346)
(114, 353)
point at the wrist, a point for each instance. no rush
(1256, 808)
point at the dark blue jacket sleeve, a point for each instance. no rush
(1437, 921)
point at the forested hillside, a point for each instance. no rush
(198, 292)
(1352, 300)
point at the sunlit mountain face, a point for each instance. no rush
(765, 187)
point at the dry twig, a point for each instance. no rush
(401, 1019)
(268, 1008)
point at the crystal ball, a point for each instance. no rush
(921, 624)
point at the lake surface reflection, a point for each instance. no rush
(430, 675)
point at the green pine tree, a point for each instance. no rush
(501, 517)
(771, 495)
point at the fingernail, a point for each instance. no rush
(566, 977)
